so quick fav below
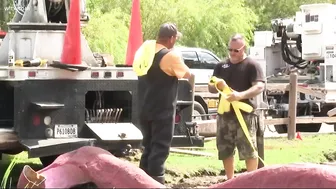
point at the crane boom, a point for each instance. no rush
(38, 27)
(52, 11)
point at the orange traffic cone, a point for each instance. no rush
(135, 38)
(298, 136)
(72, 53)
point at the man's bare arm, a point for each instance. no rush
(179, 68)
(188, 74)
(220, 85)
(257, 88)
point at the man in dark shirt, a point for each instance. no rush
(157, 98)
(246, 78)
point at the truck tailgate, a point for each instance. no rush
(48, 147)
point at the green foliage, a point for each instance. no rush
(107, 33)
(204, 23)
(270, 9)
(6, 13)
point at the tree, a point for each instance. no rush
(6, 13)
(267, 10)
(204, 23)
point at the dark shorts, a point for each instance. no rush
(230, 135)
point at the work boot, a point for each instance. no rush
(160, 179)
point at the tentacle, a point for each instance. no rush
(285, 176)
(92, 164)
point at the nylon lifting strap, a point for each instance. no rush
(224, 106)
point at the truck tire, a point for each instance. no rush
(47, 160)
(311, 127)
(280, 129)
(199, 110)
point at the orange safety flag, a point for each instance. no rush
(135, 38)
(72, 53)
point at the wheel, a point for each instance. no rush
(313, 127)
(281, 129)
(47, 160)
(198, 110)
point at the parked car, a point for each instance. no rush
(198, 58)
(201, 62)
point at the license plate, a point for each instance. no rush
(212, 103)
(66, 131)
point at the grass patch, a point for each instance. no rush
(22, 160)
(313, 148)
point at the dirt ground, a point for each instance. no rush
(175, 180)
(204, 180)
(196, 182)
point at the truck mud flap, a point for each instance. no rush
(49, 147)
(115, 132)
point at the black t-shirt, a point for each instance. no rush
(240, 76)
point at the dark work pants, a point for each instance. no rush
(157, 138)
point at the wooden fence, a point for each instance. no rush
(292, 119)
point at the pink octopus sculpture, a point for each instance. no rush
(98, 166)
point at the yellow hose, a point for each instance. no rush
(224, 106)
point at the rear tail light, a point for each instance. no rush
(36, 120)
(94, 74)
(120, 74)
(31, 74)
(11, 74)
(177, 118)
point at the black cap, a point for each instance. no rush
(168, 30)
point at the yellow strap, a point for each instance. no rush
(19, 63)
(144, 57)
(224, 106)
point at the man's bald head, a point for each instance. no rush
(237, 45)
(238, 38)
